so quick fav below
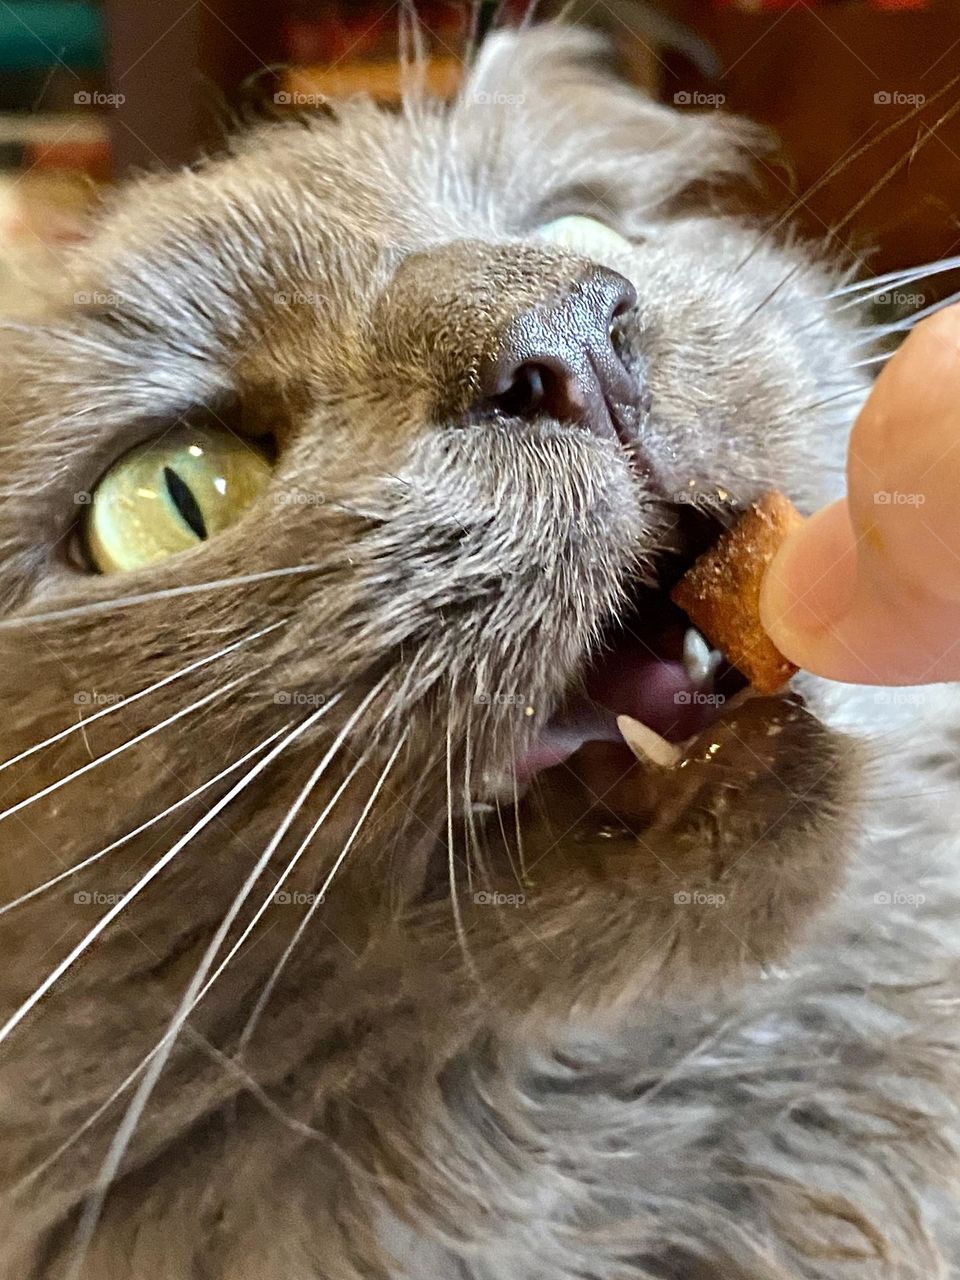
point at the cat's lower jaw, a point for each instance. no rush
(695, 877)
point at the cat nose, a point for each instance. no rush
(559, 361)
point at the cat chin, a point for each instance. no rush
(742, 842)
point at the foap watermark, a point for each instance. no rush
(298, 298)
(489, 898)
(96, 98)
(696, 494)
(295, 898)
(897, 98)
(482, 98)
(695, 98)
(897, 498)
(298, 698)
(96, 898)
(96, 698)
(906, 697)
(96, 298)
(299, 498)
(294, 98)
(500, 699)
(697, 898)
(698, 698)
(901, 298)
(899, 898)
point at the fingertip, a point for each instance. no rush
(826, 607)
(809, 586)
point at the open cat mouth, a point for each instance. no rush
(652, 665)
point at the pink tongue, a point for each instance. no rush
(654, 690)
(631, 680)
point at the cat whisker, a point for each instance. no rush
(143, 693)
(516, 811)
(118, 907)
(869, 336)
(282, 879)
(165, 593)
(473, 835)
(451, 862)
(908, 322)
(144, 826)
(281, 964)
(877, 285)
(251, 1086)
(849, 158)
(905, 159)
(858, 390)
(305, 844)
(506, 841)
(469, 827)
(83, 1129)
(768, 297)
(529, 14)
(125, 746)
(248, 929)
(882, 358)
(121, 1140)
(412, 56)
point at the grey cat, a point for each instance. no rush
(356, 961)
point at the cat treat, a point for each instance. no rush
(720, 592)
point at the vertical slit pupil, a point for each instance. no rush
(181, 495)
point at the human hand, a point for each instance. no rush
(868, 590)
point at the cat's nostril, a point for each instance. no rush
(546, 387)
(557, 360)
(624, 297)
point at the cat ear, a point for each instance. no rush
(557, 109)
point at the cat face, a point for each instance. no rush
(452, 520)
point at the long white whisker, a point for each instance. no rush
(284, 876)
(469, 830)
(274, 978)
(908, 322)
(882, 358)
(86, 1126)
(288, 869)
(143, 693)
(475, 851)
(17, 1017)
(881, 284)
(516, 811)
(168, 593)
(451, 866)
(124, 746)
(857, 389)
(144, 826)
(101, 1110)
(125, 1131)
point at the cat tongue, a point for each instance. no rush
(650, 688)
(648, 684)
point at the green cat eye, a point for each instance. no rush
(170, 494)
(584, 235)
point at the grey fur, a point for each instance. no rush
(604, 1084)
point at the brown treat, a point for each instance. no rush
(720, 592)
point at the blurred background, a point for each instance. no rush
(860, 93)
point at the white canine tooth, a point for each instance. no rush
(698, 660)
(646, 744)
